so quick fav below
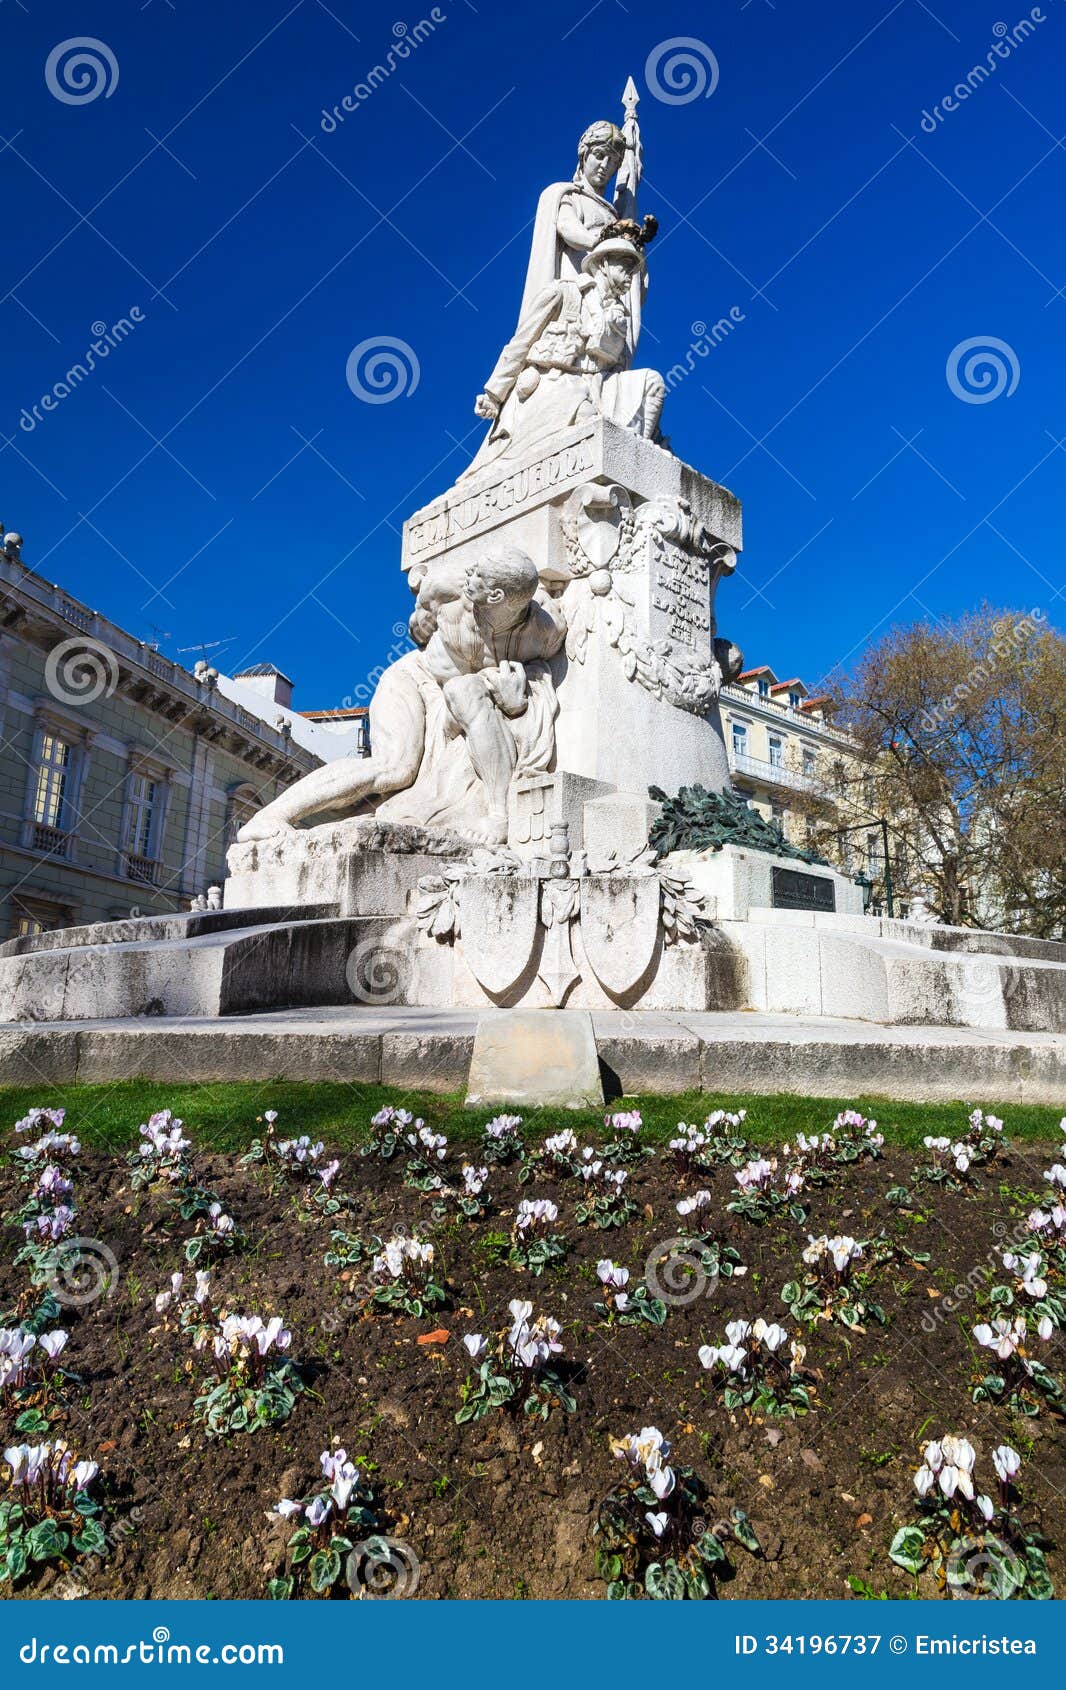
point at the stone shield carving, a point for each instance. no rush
(620, 927)
(499, 926)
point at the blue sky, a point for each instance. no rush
(217, 479)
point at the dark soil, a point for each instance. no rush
(503, 1507)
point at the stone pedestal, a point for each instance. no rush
(735, 881)
(633, 542)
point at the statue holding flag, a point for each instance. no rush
(579, 322)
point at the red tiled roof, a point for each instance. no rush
(750, 674)
(783, 686)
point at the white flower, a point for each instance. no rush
(317, 1511)
(287, 1509)
(692, 1205)
(1004, 1336)
(1006, 1461)
(1056, 1175)
(1045, 1326)
(984, 1506)
(475, 1345)
(662, 1481)
(924, 1480)
(657, 1522)
(957, 1471)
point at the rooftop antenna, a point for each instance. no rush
(158, 634)
(204, 646)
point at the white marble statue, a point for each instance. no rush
(452, 723)
(570, 357)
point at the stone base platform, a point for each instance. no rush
(413, 1049)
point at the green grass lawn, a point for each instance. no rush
(224, 1117)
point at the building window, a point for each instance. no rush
(810, 763)
(764, 689)
(875, 861)
(28, 927)
(777, 751)
(53, 770)
(140, 835)
(794, 700)
(740, 739)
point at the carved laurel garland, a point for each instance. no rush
(682, 909)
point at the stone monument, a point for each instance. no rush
(545, 818)
(565, 648)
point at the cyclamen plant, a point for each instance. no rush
(330, 1520)
(62, 1149)
(651, 1539)
(973, 1544)
(50, 1515)
(297, 1160)
(719, 1142)
(623, 1131)
(623, 1306)
(428, 1148)
(764, 1190)
(469, 1198)
(856, 1137)
(605, 1203)
(38, 1119)
(517, 1369)
(1020, 1380)
(829, 1291)
(254, 1383)
(559, 1157)
(217, 1233)
(405, 1268)
(161, 1156)
(501, 1140)
(684, 1265)
(1048, 1225)
(389, 1128)
(759, 1368)
(534, 1245)
(30, 1375)
(952, 1160)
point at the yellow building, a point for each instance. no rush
(797, 769)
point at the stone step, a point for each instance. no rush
(414, 1050)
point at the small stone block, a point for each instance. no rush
(535, 1056)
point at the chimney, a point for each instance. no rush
(268, 680)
